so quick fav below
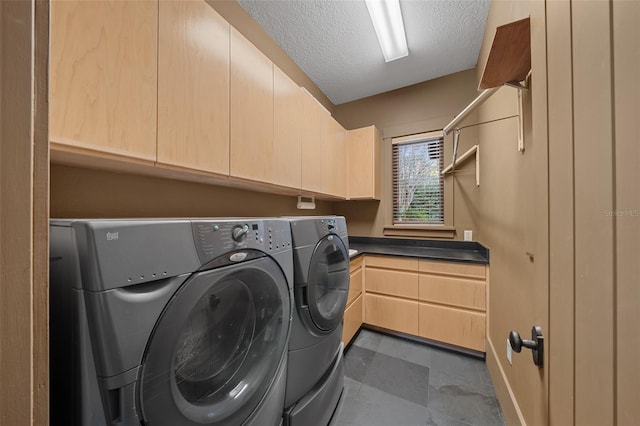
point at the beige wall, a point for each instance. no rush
(422, 107)
(511, 216)
(78, 192)
(560, 256)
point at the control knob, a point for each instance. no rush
(239, 233)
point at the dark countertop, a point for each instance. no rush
(454, 251)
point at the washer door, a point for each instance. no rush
(216, 348)
(328, 283)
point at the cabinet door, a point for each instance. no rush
(334, 158)
(251, 111)
(193, 87)
(352, 320)
(364, 163)
(103, 81)
(287, 130)
(356, 276)
(312, 122)
(393, 283)
(391, 313)
(451, 325)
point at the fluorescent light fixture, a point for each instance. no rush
(387, 21)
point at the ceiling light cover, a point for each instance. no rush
(387, 21)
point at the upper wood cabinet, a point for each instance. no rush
(313, 116)
(287, 130)
(364, 163)
(334, 158)
(103, 78)
(193, 87)
(251, 111)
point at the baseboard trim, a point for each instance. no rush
(510, 408)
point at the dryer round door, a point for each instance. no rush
(216, 349)
(328, 283)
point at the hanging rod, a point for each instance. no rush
(483, 96)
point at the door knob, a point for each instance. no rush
(536, 344)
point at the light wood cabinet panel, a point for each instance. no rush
(251, 149)
(452, 291)
(452, 268)
(352, 320)
(391, 313)
(394, 283)
(103, 76)
(393, 262)
(355, 282)
(193, 87)
(333, 158)
(364, 182)
(454, 326)
(313, 118)
(287, 130)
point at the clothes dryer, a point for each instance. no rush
(315, 375)
(169, 322)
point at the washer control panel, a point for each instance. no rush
(214, 238)
(333, 225)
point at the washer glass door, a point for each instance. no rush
(217, 347)
(328, 283)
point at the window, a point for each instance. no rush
(418, 184)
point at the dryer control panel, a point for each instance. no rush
(215, 238)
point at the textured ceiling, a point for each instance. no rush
(334, 42)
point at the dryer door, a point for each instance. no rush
(328, 283)
(217, 347)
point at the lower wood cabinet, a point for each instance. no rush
(353, 314)
(352, 319)
(452, 325)
(392, 313)
(441, 301)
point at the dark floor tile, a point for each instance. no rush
(373, 407)
(417, 353)
(368, 339)
(457, 398)
(435, 418)
(472, 369)
(398, 377)
(357, 361)
(348, 412)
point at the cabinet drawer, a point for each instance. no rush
(454, 326)
(352, 320)
(394, 283)
(355, 285)
(393, 262)
(452, 291)
(392, 313)
(452, 268)
(356, 263)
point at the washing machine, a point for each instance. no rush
(169, 322)
(315, 375)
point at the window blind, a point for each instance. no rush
(418, 185)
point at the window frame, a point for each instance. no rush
(424, 230)
(396, 146)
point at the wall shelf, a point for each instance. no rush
(509, 59)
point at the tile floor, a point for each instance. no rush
(390, 381)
